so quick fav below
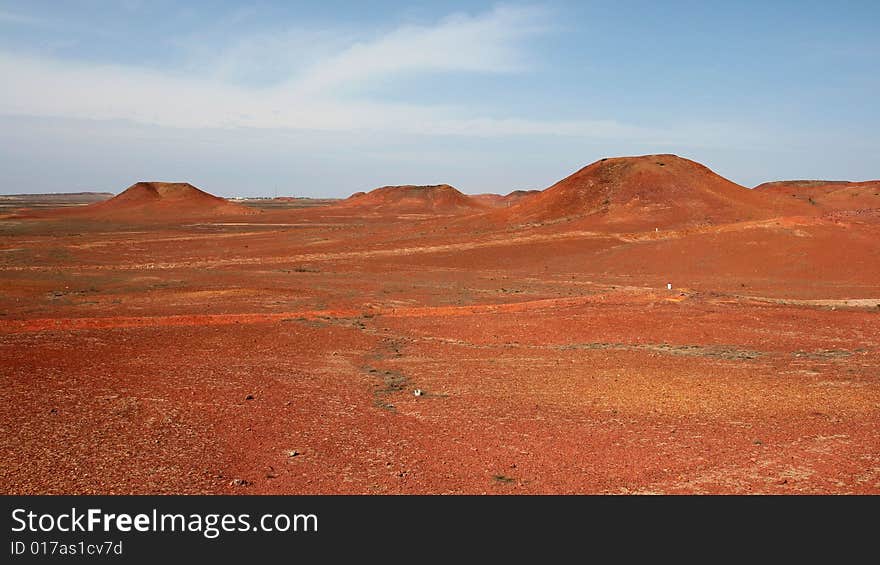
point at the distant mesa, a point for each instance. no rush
(648, 191)
(518, 195)
(800, 184)
(413, 199)
(158, 201)
(499, 200)
(828, 195)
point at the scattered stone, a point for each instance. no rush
(249, 397)
(292, 453)
(418, 392)
(240, 483)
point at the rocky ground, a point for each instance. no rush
(282, 355)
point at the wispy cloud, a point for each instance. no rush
(487, 43)
(320, 58)
(315, 96)
(20, 19)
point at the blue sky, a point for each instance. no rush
(328, 98)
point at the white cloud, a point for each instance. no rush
(309, 99)
(485, 43)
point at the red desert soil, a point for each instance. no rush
(280, 353)
(488, 198)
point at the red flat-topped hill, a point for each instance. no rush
(411, 199)
(652, 190)
(828, 195)
(161, 201)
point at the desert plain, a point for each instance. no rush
(642, 326)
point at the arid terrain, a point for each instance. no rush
(420, 340)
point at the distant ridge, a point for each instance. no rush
(498, 200)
